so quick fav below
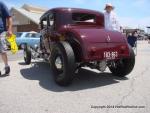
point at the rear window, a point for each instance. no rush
(83, 18)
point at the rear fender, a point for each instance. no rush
(76, 45)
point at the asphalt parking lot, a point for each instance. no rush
(31, 89)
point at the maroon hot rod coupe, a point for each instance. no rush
(72, 38)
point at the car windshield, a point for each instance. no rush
(83, 18)
(18, 34)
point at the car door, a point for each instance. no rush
(44, 37)
(51, 27)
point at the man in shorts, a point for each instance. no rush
(5, 19)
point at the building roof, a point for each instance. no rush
(31, 12)
(34, 9)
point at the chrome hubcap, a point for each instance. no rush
(58, 63)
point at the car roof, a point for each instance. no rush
(66, 9)
(72, 10)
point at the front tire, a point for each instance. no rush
(62, 63)
(123, 67)
(27, 55)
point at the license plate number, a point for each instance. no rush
(110, 54)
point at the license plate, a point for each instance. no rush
(110, 54)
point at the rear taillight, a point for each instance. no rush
(92, 51)
(123, 47)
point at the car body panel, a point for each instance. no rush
(95, 41)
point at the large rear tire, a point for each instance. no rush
(123, 67)
(62, 63)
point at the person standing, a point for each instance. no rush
(5, 29)
(111, 22)
(132, 39)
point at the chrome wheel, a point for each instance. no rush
(59, 63)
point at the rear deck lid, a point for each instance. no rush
(96, 35)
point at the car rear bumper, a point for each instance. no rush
(106, 51)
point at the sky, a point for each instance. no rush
(131, 13)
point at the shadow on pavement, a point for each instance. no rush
(22, 63)
(85, 79)
(3, 75)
